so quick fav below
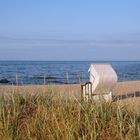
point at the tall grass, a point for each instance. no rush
(47, 117)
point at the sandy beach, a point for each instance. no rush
(120, 88)
(72, 91)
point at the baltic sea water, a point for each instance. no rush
(61, 72)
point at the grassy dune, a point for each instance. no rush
(45, 116)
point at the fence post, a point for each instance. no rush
(16, 79)
(44, 79)
(78, 76)
(67, 77)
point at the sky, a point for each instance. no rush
(70, 30)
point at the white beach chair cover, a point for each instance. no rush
(103, 77)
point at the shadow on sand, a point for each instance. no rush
(129, 95)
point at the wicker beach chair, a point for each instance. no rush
(102, 80)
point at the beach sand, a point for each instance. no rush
(74, 91)
(120, 88)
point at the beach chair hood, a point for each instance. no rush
(103, 77)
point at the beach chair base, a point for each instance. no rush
(88, 96)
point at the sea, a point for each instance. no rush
(60, 72)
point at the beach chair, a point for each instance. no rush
(102, 80)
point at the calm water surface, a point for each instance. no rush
(46, 72)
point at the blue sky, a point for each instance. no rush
(69, 30)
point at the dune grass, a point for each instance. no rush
(47, 117)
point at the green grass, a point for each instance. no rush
(47, 117)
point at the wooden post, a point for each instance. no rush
(67, 77)
(16, 79)
(78, 76)
(44, 80)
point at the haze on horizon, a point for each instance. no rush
(69, 30)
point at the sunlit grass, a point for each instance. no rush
(44, 116)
